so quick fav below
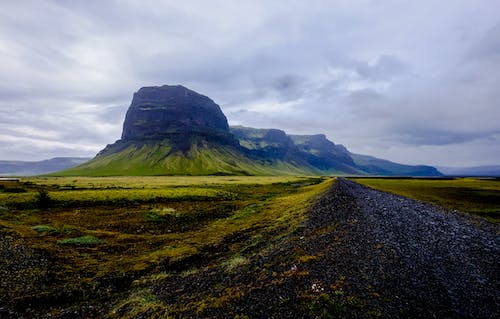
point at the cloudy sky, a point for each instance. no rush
(415, 82)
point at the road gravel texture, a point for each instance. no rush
(361, 253)
(408, 258)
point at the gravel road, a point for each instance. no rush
(405, 257)
(361, 253)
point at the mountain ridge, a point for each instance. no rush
(29, 168)
(473, 171)
(172, 130)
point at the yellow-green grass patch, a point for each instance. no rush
(97, 231)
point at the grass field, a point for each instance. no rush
(479, 197)
(107, 232)
(76, 242)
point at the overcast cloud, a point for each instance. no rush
(416, 82)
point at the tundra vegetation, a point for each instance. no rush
(81, 241)
(162, 247)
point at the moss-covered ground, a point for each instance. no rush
(479, 197)
(95, 245)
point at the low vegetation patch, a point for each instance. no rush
(162, 214)
(129, 230)
(61, 197)
(51, 230)
(42, 199)
(235, 262)
(81, 241)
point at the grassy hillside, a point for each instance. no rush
(200, 158)
(259, 152)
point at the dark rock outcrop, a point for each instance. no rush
(324, 154)
(158, 112)
(265, 143)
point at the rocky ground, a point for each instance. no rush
(407, 258)
(360, 253)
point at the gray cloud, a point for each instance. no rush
(387, 78)
(385, 68)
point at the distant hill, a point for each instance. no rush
(493, 171)
(171, 130)
(24, 168)
(377, 166)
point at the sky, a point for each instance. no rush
(416, 82)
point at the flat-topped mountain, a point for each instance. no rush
(172, 130)
(159, 112)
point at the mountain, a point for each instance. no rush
(314, 153)
(23, 168)
(172, 130)
(492, 171)
(173, 112)
(377, 166)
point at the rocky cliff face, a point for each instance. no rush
(159, 112)
(265, 143)
(324, 154)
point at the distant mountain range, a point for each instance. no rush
(493, 171)
(171, 130)
(24, 168)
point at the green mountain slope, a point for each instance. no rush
(312, 152)
(155, 157)
(261, 152)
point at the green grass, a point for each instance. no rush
(235, 262)
(126, 190)
(93, 197)
(99, 231)
(162, 214)
(148, 159)
(45, 229)
(152, 182)
(479, 197)
(51, 230)
(81, 241)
